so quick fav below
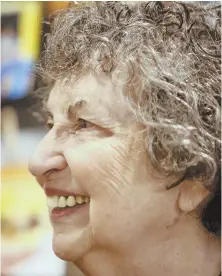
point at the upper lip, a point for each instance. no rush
(53, 191)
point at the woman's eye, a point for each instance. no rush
(84, 124)
(81, 124)
(49, 124)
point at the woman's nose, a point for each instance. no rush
(46, 158)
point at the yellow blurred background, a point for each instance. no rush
(25, 228)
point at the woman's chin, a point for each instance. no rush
(71, 246)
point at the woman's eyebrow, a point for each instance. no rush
(46, 111)
(72, 109)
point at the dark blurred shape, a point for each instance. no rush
(211, 216)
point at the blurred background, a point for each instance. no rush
(25, 228)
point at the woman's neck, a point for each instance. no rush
(186, 249)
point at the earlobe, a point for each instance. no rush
(192, 193)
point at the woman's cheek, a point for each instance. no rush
(99, 165)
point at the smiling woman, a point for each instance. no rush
(131, 162)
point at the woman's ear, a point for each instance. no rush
(192, 193)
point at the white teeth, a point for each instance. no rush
(79, 199)
(62, 202)
(52, 201)
(71, 201)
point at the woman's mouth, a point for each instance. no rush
(60, 206)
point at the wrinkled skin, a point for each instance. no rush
(129, 204)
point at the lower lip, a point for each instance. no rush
(58, 213)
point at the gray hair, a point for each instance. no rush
(171, 58)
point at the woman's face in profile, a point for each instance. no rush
(101, 189)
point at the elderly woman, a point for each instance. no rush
(131, 163)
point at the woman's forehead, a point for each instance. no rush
(89, 90)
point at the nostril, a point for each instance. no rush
(47, 174)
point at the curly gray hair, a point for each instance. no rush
(171, 60)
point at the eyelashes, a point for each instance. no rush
(84, 124)
(81, 124)
(49, 123)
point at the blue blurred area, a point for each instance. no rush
(17, 75)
